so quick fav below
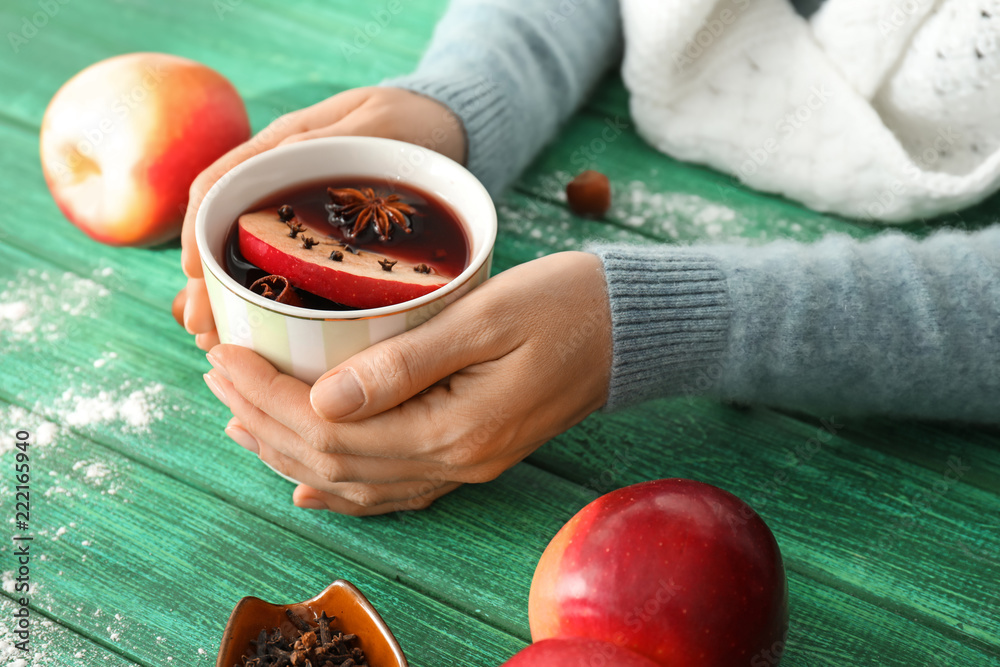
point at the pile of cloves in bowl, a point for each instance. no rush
(313, 647)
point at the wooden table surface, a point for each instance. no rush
(150, 524)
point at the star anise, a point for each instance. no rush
(369, 208)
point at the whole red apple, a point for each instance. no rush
(577, 653)
(679, 571)
(122, 141)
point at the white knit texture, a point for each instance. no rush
(879, 109)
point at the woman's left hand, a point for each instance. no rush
(459, 399)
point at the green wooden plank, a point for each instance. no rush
(927, 443)
(265, 48)
(51, 643)
(152, 566)
(484, 517)
(829, 626)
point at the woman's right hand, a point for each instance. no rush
(392, 113)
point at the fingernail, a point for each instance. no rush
(243, 438)
(217, 365)
(311, 504)
(338, 396)
(216, 388)
(189, 318)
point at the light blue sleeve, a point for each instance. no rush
(890, 326)
(513, 71)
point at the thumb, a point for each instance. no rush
(388, 373)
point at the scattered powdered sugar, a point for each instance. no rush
(40, 645)
(94, 473)
(549, 225)
(13, 311)
(41, 306)
(130, 405)
(45, 434)
(49, 644)
(57, 490)
(135, 409)
(104, 358)
(8, 650)
(97, 471)
(669, 216)
(116, 627)
(139, 408)
(14, 418)
(674, 215)
(9, 582)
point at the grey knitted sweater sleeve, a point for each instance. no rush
(512, 71)
(889, 326)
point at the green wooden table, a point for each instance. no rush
(150, 524)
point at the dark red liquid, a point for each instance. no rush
(438, 238)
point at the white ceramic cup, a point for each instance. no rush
(306, 343)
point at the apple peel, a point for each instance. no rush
(318, 264)
(575, 652)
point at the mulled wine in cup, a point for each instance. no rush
(316, 250)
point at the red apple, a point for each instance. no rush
(358, 278)
(122, 141)
(679, 571)
(577, 653)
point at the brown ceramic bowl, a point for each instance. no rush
(352, 614)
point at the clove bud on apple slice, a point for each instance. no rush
(317, 264)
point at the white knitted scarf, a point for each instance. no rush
(886, 110)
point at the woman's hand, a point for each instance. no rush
(518, 360)
(391, 113)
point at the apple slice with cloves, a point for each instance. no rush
(315, 263)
